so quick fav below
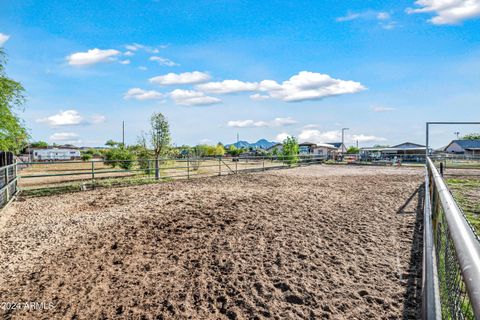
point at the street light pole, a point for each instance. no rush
(343, 136)
(457, 134)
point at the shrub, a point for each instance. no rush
(290, 150)
(86, 156)
(120, 157)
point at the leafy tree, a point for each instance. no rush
(290, 150)
(353, 150)
(13, 134)
(120, 157)
(160, 138)
(234, 151)
(111, 143)
(39, 144)
(86, 156)
(471, 136)
(219, 150)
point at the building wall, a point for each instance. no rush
(55, 154)
(454, 148)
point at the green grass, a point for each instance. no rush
(465, 192)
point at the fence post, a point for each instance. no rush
(7, 189)
(236, 165)
(219, 166)
(263, 164)
(93, 174)
(188, 166)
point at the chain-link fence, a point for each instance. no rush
(452, 276)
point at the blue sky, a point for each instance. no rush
(263, 69)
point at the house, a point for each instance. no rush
(407, 151)
(306, 147)
(341, 148)
(467, 147)
(321, 149)
(276, 148)
(54, 154)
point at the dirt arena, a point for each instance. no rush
(317, 242)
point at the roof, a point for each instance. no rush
(307, 144)
(466, 144)
(335, 144)
(326, 145)
(408, 145)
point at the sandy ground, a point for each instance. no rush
(314, 242)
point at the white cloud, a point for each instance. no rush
(163, 61)
(365, 15)
(124, 61)
(192, 98)
(97, 118)
(277, 122)
(227, 86)
(181, 78)
(129, 53)
(71, 118)
(92, 56)
(142, 68)
(317, 136)
(382, 109)
(348, 17)
(259, 97)
(64, 137)
(140, 94)
(137, 46)
(281, 136)
(63, 118)
(448, 11)
(3, 38)
(365, 138)
(309, 86)
(383, 16)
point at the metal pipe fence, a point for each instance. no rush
(8, 183)
(451, 283)
(90, 174)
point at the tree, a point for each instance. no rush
(290, 150)
(160, 138)
(471, 136)
(39, 144)
(353, 150)
(111, 143)
(13, 134)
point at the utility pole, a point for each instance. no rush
(343, 137)
(123, 133)
(457, 134)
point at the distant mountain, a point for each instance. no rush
(261, 144)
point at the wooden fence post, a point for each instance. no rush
(219, 166)
(188, 166)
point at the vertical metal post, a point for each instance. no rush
(7, 189)
(263, 164)
(219, 167)
(93, 174)
(188, 166)
(236, 165)
(426, 143)
(148, 170)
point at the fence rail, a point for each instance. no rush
(8, 183)
(451, 266)
(36, 175)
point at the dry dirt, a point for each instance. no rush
(315, 242)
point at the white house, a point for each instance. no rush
(55, 154)
(468, 147)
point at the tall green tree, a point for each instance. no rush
(13, 134)
(471, 136)
(159, 138)
(290, 150)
